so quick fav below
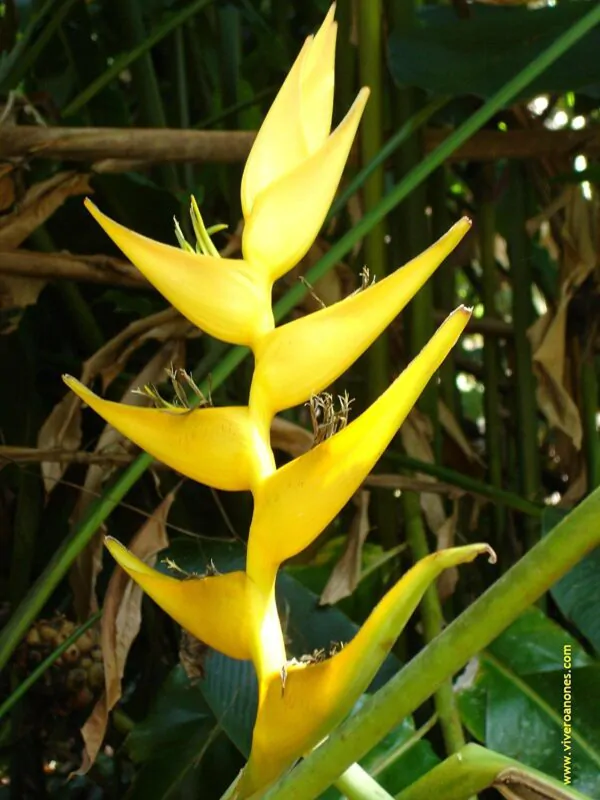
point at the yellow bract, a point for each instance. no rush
(289, 181)
(308, 492)
(227, 298)
(214, 608)
(287, 215)
(312, 698)
(216, 446)
(302, 358)
(299, 119)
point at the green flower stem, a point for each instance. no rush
(589, 403)
(345, 77)
(508, 499)
(182, 99)
(474, 768)
(524, 383)
(433, 623)
(410, 127)
(494, 435)
(370, 61)
(374, 246)
(233, 110)
(37, 673)
(444, 283)
(520, 587)
(151, 112)
(357, 784)
(17, 626)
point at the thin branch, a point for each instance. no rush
(91, 269)
(29, 455)
(121, 148)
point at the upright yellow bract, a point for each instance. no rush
(289, 182)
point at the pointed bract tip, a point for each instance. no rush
(80, 389)
(492, 557)
(126, 559)
(461, 311)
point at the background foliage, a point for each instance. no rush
(502, 445)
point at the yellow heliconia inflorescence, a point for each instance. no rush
(289, 182)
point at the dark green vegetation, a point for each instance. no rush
(509, 429)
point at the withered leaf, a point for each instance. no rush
(120, 625)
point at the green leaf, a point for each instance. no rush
(123, 61)
(448, 55)
(400, 758)
(578, 593)
(172, 740)
(516, 688)
(36, 36)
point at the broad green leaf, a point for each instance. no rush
(449, 55)
(578, 593)
(511, 698)
(172, 740)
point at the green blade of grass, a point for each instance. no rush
(39, 593)
(37, 673)
(25, 53)
(126, 59)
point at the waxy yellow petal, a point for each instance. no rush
(216, 446)
(292, 506)
(288, 214)
(317, 83)
(295, 715)
(227, 298)
(299, 119)
(214, 609)
(273, 155)
(302, 358)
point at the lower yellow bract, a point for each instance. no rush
(300, 707)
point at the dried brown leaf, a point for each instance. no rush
(120, 625)
(62, 429)
(7, 187)
(40, 202)
(416, 435)
(451, 426)
(548, 340)
(15, 295)
(88, 564)
(177, 329)
(578, 247)
(446, 583)
(346, 573)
